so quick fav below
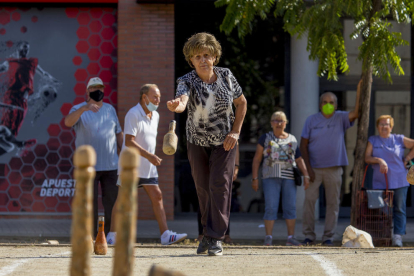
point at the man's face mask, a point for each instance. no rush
(328, 109)
(151, 107)
(97, 95)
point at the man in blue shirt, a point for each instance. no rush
(323, 150)
(96, 124)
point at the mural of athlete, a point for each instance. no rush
(20, 71)
(8, 141)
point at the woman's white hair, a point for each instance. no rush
(279, 114)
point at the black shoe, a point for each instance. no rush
(308, 242)
(215, 249)
(203, 246)
(328, 243)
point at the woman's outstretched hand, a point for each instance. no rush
(173, 104)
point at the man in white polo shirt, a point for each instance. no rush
(141, 124)
(96, 124)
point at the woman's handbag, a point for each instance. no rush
(297, 175)
(374, 213)
(410, 174)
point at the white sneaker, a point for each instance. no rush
(111, 238)
(397, 240)
(170, 237)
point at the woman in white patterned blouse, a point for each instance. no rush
(280, 153)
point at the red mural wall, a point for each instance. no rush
(39, 177)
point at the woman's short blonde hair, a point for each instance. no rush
(384, 117)
(279, 114)
(199, 42)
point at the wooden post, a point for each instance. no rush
(84, 160)
(126, 214)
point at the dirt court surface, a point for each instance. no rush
(35, 260)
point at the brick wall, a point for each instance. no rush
(146, 55)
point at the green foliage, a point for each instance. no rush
(322, 20)
(379, 49)
(322, 23)
(401, 10)
(242, 13)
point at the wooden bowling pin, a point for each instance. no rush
(84, 159)
(101, 247)
(169, 146)
(126, 218)
(159, 271)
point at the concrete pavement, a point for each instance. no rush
(243, 228)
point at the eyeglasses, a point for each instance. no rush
(384, 125)
(278, 121)
(199, 57)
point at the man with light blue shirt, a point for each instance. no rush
(96, 124)
(323, 150)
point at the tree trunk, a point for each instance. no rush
(363, 122)
(362, 138)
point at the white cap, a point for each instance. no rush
(95, 82)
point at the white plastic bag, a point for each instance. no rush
(356, 238)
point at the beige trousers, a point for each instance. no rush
(332, 179)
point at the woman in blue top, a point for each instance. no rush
(279, 152)
(386, 154)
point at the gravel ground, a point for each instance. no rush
(29, 256)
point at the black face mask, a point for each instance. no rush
(97, 95)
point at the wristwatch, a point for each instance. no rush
(307, 176)
(254, 178)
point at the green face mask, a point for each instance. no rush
(328, 109)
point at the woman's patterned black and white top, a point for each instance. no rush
(210, 112)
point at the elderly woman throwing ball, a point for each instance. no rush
(212, 132)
